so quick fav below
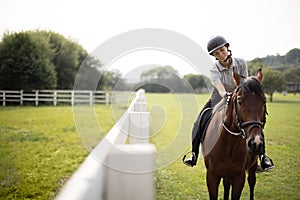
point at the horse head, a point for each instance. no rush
(249, 110)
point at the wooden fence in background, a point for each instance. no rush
(55, 97)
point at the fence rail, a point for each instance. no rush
(117, 169)
(55, 96)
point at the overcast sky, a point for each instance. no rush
(254, 28)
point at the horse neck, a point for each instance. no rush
(230, 116)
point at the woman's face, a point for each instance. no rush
(221, 53)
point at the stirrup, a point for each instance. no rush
(271, 162)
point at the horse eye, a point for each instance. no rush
(239, 100)
(240, 103)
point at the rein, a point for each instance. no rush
(242, 125)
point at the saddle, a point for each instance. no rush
(205, 119)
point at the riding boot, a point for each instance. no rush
(266, 162)
(197, 135)
(191, 161)
(197, 138)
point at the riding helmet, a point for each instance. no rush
(215, 43)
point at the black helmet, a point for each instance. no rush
(215, 43)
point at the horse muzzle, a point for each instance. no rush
(255, 144)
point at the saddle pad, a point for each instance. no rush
(205, 118)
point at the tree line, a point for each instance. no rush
(281, 63)
(47, 60)
(278, 71)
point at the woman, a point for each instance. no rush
(221, 76)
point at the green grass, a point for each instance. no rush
(40, 149)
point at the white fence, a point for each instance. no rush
(115, 170)
(54, 96)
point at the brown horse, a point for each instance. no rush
(234, 139)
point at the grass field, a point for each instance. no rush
(40, 149)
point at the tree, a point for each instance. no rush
(292, 75)
(25, 55)
(25, 62)
(293, 56)
(254, 65)
(273, 81)
(110, 79)
(198, 83)
(67, 57)
(47, 60)
(289, 60)
(89, 75)
(163, 79)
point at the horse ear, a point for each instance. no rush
(236, 77)
(259, 75)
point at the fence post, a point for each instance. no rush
(139, 120)
(21, 97)
(91, 98)
(72, 97)
(129, 172)
(3, 103)
(55, 98)
(139, 127)
(106, 98)
(36, 98)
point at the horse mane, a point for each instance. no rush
(251, 84)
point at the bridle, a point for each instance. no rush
(244, 127)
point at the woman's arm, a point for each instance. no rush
(216, 80)
(220, 89)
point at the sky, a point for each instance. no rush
(254, 28)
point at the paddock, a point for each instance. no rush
(41, 150)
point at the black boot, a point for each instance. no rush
(191, 161)
(266, 162)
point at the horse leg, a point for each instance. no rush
(226, 184)
(252, 179)
(212, 182)
(237, 186)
